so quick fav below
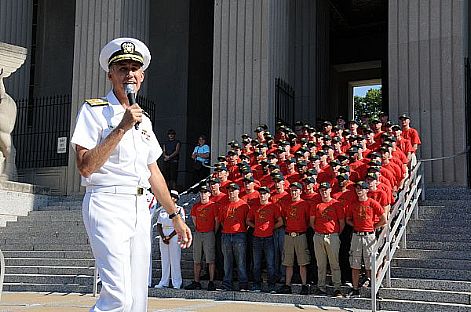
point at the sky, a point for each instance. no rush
(361, 91)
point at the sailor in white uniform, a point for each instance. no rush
(170, 252)
(116, 158)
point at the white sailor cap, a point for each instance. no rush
(120, 49)
(175, 194)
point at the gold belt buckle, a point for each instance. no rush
(293, 234)
(140, 191)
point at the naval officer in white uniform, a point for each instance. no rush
(116, 153)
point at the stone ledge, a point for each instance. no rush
(24, 188)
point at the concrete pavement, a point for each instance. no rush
(57, 302)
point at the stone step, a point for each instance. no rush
(49, 262)
(432, 254)
(295, 298)
(443, 193)
(68, 215)
(49, 270)
(46, 231)
(432, 284)
(357, 303)
(71, 254)
(187, 273)
(58, 240)
(444, 215)
(439, 223)
(421, 229)
(440, 274)
(435, 237)
(60, 207)
(445, 208)
(48, 279)
(451, 246)
(44, 247)
(63, 288)
(5, 219)
(432, 263)
(35, 236)
(425, 295)
(452, 204)
(421, 306)
(63, 225)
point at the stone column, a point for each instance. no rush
(426, 79)
(96, 23)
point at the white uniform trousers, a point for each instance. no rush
(118, 228)
(170, 256)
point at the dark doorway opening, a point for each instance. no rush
(200, 72)
(358, 50)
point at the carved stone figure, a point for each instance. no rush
(11, 58)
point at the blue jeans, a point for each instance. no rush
(263, 245)
(279, 240)
(233, 245)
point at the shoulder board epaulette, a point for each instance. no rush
(97, 102)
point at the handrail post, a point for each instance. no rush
(373, 281)
(2, 272)
(403, 224)
(422, 173)
(388, 255)
(95, 280)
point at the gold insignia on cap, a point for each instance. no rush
(128, 47)
(97, 102)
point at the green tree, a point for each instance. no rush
(370, 104)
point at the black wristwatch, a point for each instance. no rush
(173, 215)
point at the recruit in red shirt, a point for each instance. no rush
(296, 215)
(264, 217)
(205, 215)
(327, 216)
(232, 215)
(412, 135)
(363, 214)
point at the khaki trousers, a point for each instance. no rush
(326, 248)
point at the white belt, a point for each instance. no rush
(131, 190)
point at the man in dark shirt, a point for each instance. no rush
(171, 149)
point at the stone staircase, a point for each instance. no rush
(49, 251)
(434, 272)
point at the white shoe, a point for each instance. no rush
(160, 286)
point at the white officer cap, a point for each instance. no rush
(120, 49)
(174, 194)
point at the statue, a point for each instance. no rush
(11, 58)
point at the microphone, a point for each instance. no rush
(131, 94)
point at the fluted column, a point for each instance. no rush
(96, 23)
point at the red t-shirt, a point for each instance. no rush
(404, 145)
(205, 215)
(219, 198)
(412, 135)
(387, 189)
(280, 198)
(345, 198)
(251, 198)
(296, 215)
(264, 217)
(232, 215)
(327, 216)
(313, 198)
(363, 214)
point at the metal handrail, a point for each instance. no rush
(394, 232)
(2, 272)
